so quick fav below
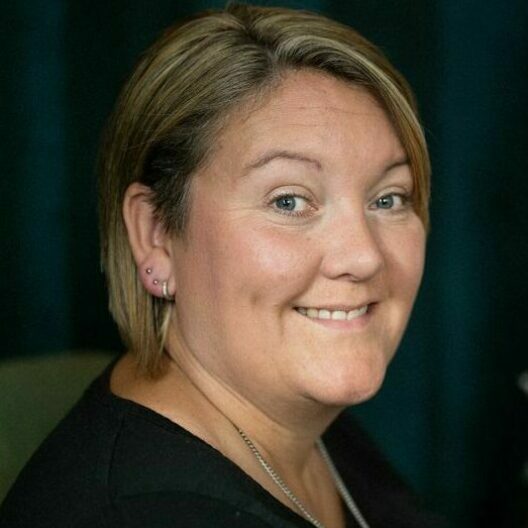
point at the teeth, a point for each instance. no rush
(324, 314)
(353, 314)
(337, 315)
(313, 313)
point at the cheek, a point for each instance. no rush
(282, 264)
(406, 255)
(277, 254)
(256, 261)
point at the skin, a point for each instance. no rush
(305, 202)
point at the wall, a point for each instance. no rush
(450, 416)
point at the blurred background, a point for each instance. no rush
(452, 416)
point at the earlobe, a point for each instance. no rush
(154, 285)
(149, 242)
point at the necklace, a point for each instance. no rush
(347, 498)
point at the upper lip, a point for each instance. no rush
(335, 307)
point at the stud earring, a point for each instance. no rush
(155, 282)
(149, 271)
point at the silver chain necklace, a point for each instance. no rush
(347, 498)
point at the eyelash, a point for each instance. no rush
(291, 213)
(406, 201)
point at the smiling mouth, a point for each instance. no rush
(335, 315)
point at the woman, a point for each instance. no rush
(264, 189)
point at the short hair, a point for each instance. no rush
(167, 116)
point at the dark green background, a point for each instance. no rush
(450, 416)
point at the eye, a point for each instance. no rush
(391, 201)
(291, 204)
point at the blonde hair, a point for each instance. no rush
(172, 107)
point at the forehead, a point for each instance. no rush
(315, 112)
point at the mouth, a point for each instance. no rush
(334, 315)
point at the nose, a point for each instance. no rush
(353, 250)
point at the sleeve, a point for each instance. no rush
(164, 510)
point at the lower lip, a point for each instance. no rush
(354, 324)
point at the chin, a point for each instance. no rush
(351, 386)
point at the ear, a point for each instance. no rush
(149, 242)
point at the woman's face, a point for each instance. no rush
(303, 253)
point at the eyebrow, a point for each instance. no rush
(280, 154)
(398, 163)
(295, 156)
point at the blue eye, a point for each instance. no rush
(291, 205)
(286, 202)
(390, 201)
(385, 202)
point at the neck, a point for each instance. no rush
(284, 431)
(285, 434)
(283, 424)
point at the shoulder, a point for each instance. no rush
(114, 463)
(162, 475)
(164, 509)
(155, 510)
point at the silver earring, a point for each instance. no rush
(149, 271)
(155, 282)
(165, 289)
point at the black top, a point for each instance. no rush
(114, 463)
